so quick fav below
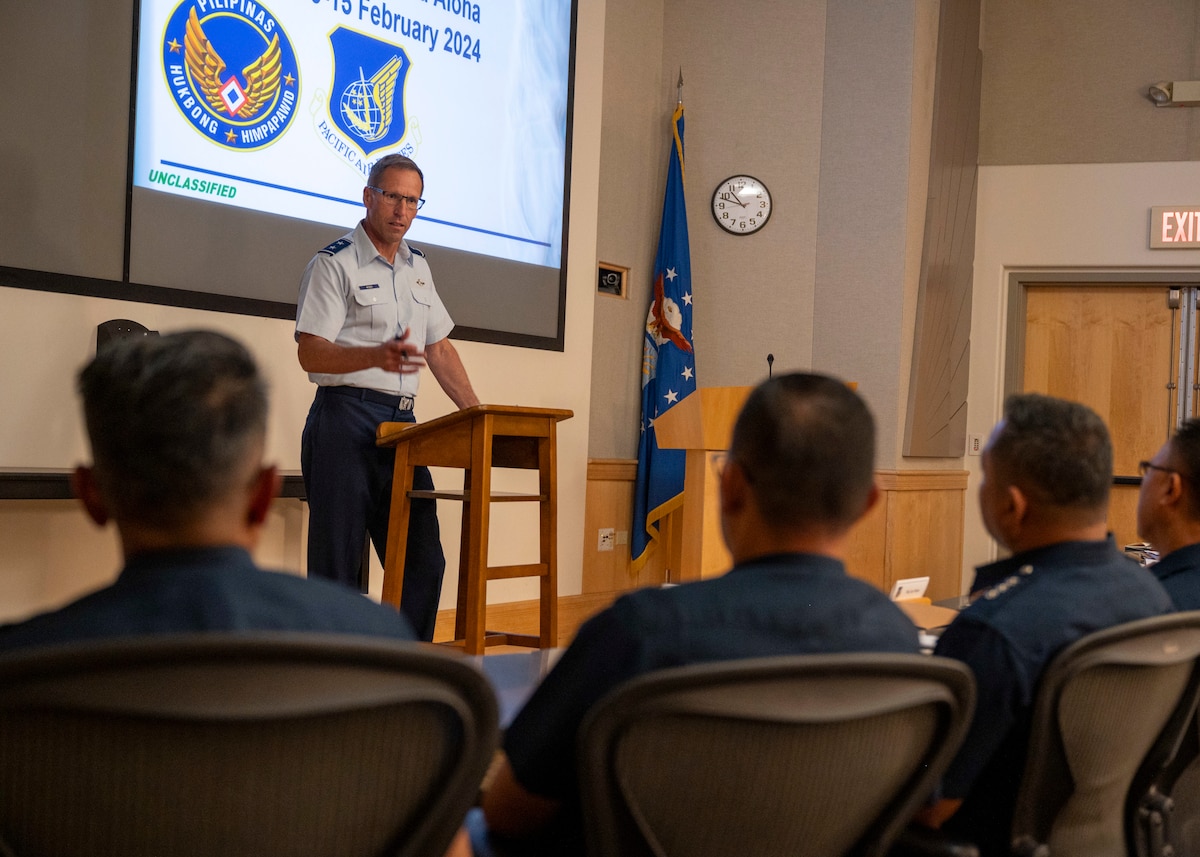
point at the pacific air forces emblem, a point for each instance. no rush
(366, 98)
(232, 71)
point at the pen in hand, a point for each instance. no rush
(406, 361)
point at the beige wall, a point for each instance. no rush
(1065, 82)
(752, 92)
(877, 119)
(633, 168)
(753, 77)
(48, 552)
(829, 104)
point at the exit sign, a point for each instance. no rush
(1175, 227)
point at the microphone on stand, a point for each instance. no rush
(770, 365)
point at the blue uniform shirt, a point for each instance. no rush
(351, 295)
(1039, 602)
(207, 589)
(788, 604)
(1179, 573)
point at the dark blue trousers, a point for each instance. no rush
(348, 481)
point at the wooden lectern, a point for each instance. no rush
(702, 424)
(476, 440)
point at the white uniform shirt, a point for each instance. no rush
(351, 295)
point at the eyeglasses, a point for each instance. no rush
(1143, 466)
(394, 199)
(721, 460)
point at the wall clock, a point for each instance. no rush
(741, 205)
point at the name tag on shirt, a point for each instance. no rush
(368, 286)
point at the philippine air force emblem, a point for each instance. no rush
(366, 97)
(232, 71)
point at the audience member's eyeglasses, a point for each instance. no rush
(394, 199)
(1143, 466)
(722, 460)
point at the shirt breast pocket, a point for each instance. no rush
(419, 303)
(370, 313)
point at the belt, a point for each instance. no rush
(400, 403)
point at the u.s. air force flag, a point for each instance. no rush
(668, 362)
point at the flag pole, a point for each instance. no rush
(679, 86)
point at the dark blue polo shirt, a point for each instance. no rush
(1179, 573)
(776, 605)
(1039, 602)
(207, 589)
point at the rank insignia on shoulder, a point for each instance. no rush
(417, 250)
(340, 244)
(1007, 584)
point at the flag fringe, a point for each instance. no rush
(637, 563)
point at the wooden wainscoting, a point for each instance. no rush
(609, 504)
(915, 530)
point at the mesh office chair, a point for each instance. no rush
(820, 755)
(258, 744)
(1166, 808)
(1165, 800)
(1109, 706)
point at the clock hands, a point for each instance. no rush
(733, 197)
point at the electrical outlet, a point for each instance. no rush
(608, 537)
(974, 444)
(622, 537)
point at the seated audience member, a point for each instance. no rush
(177, 425)
(1047, 468)
(799, 474)
(1168, 514)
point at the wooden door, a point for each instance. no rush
(1114, 348)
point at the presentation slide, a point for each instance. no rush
(282, 107)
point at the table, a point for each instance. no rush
(514, 676)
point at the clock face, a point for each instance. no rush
(741, 205)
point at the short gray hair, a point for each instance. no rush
(399, 162)
(1058, 450)
(176, 422)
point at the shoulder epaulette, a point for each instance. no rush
(1007, 584)
(417, 250)
(336, 246)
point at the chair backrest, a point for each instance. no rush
(1107, 706)
(820, 755)
(240, 744)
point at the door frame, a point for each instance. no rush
(1019, 280)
